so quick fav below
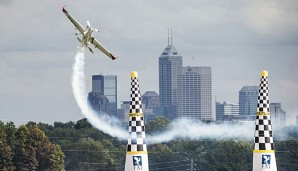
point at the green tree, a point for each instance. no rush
(83, 123)
(6, 152)
(88, 153)
(156, 125)
(35, 152)
(25, 154)
(230, 155)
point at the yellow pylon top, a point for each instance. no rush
(264, 73)
(134, 74)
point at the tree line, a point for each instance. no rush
(78, 146)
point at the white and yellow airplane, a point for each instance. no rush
(87, 35)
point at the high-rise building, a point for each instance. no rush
(98, 84)
(194, 93)
(170, 64)
(150, 100)
(110, 91)
(248, 99)
(226, 110)
(103, 97)
(278, 115)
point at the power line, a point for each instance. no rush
(169, 167)
(176, 161)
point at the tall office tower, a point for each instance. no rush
(195, 93)
(110, 91)
(278, 115)
(226, 110)
(150, 100)
(103, 96)
(248, 99)
(170, 64)
(98, 84)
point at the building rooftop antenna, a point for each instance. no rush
(171, 36)
(168, 36)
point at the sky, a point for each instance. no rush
(237, 38)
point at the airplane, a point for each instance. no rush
(87, 37)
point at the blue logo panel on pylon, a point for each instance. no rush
(137, 162)
(266, 158)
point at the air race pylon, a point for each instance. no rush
(136, 150)
(263, 153)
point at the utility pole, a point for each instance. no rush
(191, 164)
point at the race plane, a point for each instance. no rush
(87, 35)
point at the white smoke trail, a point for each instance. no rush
(179, 129)
(195, 130)
(106, 124)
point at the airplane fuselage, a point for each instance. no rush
(87, 36)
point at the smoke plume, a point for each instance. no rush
(102, 122)
(179, 129)
(196, 130)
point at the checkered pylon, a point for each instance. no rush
(136, 126)
(263, 132)
(136, 151)
(263, 153)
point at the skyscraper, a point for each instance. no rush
(248, 99)
(278, 115)
(103, 96)
(110, 91)
(98, 84)
(170, 64)
(194, 93)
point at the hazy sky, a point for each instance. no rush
(237, 38)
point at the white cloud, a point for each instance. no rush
(273, 16)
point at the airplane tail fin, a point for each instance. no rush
(80, 40)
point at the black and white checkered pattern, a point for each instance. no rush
(135, 102)
(136, 129)
(263, 98)
(263, 133)
(136, 125)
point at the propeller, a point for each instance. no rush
(88, 24)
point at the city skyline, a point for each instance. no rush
(237, 39)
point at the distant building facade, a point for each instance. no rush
(123, 112)
(278, 115)
(103, 97)
(194, 93)
(248, 99)
(226, 111)
(150, 100)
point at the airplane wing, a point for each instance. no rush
(101, 48)
(74, 21)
